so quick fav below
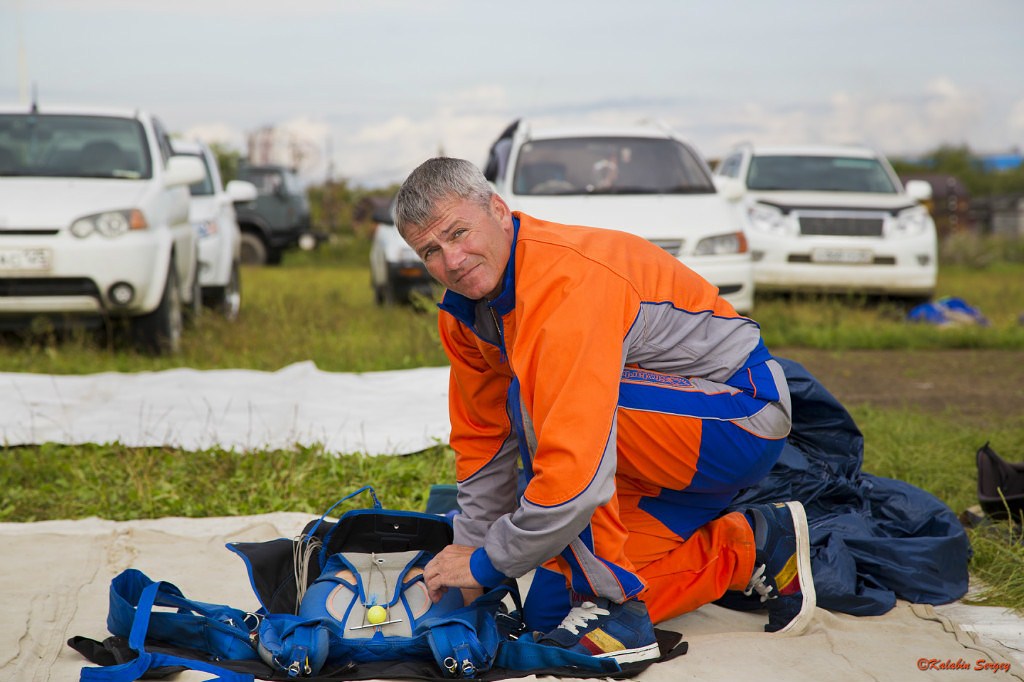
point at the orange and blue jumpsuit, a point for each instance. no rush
(638, 402)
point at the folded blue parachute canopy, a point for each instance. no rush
(947, 311)
(873, 540)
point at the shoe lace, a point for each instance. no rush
(579, 616)
(759, 583)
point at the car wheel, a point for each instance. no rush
(228, 300)
(159, 332)
(194, 309)
(253, 250)
(389, 296)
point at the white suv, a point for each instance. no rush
(94, 222)
(833, 219)
(640, 179)
(212, 213)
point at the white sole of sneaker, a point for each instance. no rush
(803, 565)
(644, 653)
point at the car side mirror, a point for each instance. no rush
(184, 170)
(919, 190)
(730, 188)
(241, 191)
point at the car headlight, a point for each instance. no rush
(404, 255)
(721, 244)
(909, 223)
(410, 256)
(765, 218)
(205, 228)
(109, 223)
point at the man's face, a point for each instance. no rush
(466, 246)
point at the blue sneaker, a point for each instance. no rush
(601, 628)
(782, 565)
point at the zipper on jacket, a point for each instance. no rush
(501, 333)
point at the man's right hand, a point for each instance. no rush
(449, 568)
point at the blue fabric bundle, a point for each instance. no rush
(947, 311)
(873, 539)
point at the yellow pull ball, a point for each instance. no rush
(376, 615)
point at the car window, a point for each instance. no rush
(611, 165)
(163, 140)
(731, 166)
(203, 188)
(73, 146)
(818, 174)
(292, 183)
(267, 181)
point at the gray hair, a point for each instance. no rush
(436, 180)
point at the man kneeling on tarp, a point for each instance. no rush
(639, 403)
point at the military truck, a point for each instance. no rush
(278, 219)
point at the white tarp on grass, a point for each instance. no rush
(397, 412)
(57, 576)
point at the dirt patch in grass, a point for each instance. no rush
(981, 387)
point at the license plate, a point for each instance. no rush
(850, 256)
(34, 260)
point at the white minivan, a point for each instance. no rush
(212, 213)
(94, 222)
(642, 179)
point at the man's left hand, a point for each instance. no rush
(450, 568)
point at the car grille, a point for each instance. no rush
(842, 226)
(41, 286)
(806, 258)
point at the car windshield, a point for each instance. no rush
(203, 188)
(609, 165)
(71, 146)
(818, 174)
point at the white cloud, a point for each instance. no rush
(301, 142)
(941, 112)
(463, 124)
(382, 150)
(220, 133)
(1015, 123)
(243, 9)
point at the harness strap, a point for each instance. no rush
(522, 654)
(134, 670)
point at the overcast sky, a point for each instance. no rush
(379, 85)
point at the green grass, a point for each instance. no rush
(319, 311)
(931, 451)
(998, 560)
(118, 482)
(857, 322)
(319, 307)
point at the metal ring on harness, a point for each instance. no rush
(255, 617)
